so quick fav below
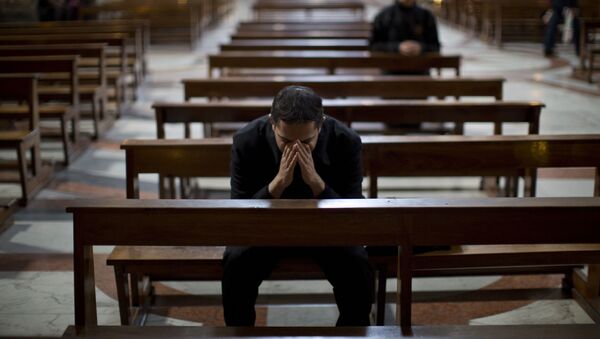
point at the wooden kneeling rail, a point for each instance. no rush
(386, 222)
(383, 156)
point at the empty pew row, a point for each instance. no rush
(313, 34)
(170, 21)
(388, 222)
(140, 27)
(344, 86)
(117, 76)
(331, 61)
(383, 156)
(136, 52)
(340, 9)
(303, 26)
(59, 102)
(31, 174)
(92, 76)
(297, 45)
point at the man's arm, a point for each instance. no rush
(242, 184)
(349, 173)
(379, 36)
(432, 42)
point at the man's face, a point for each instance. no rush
(407, 2)
(286, 134)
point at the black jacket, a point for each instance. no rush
(398, 23)
(255, 162)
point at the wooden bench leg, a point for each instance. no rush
(591, 69)
(122, 282)
(588, 287)
(381, 291)
(22, 165)
(135, 290)
(64, 135)
(75, 129)
(96, 118)
(404, 293)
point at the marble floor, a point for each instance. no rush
(36, 279)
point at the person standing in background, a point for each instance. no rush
(559, 8)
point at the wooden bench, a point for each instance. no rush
(116, 76)
(307, 9)
(140, 26)
(423, 332)
(303, 26)
(61, 101)
(170, 21)
(344, 86)
(391, 222)
(136, 58)
(351, 111)
(331, 61)
(316, 34)
(589, 48)
(23, 88)
(92, 81)
(383, 156)
(297, 45)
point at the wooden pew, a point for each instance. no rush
(344, 86)
(331, 61)
(383, 156)
(23, 88)
(352, 111)
(303, 26)
(307, 8)
(67, 94)
(589, 48)
(391, 222)
(140, 26)
(120, 41)
(135, 53)
(170, 21)
(297, 45)
(92, 80)
(316, 34)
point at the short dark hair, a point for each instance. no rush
(297, 104)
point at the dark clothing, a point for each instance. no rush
(557, 16)
(398, 23)
(254, 163)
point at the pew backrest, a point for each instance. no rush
(345, 86)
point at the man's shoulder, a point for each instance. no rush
(252, 132)
(340, 131)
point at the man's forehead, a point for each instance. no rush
(300, 131)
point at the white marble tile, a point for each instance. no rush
(101, 162)
(542, 312)
(41, 303)
(157, 320)
(302, 315)
(37, 237)
(565, 188)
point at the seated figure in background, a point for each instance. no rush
(405, 28)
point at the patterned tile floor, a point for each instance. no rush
(36, 283)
